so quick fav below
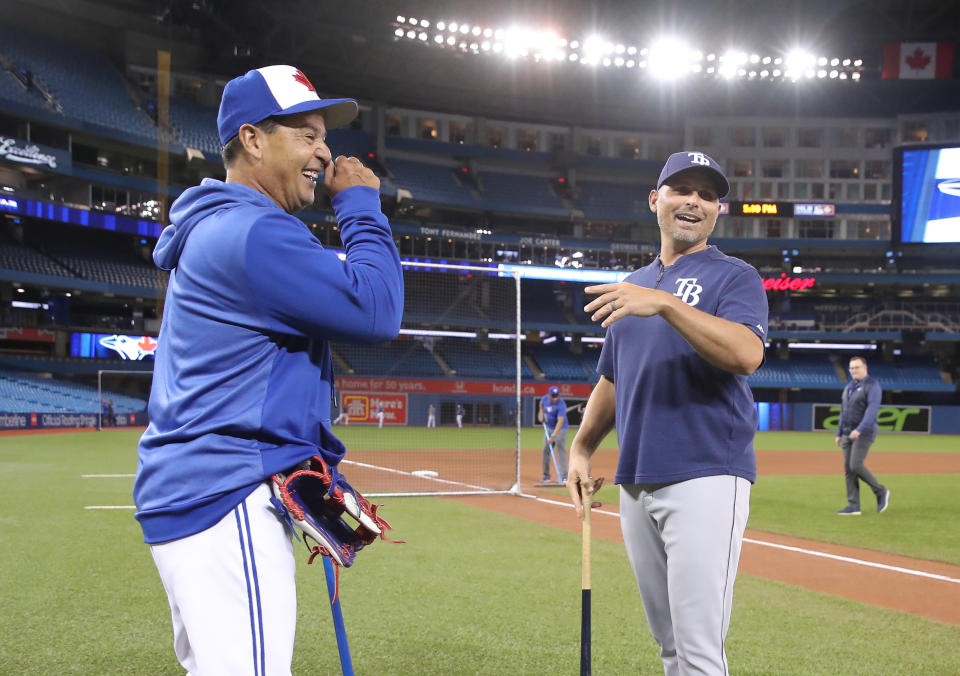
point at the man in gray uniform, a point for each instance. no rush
(683, 334)
(856, 433)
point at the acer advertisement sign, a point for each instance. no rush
(112, 346)
(914, 419)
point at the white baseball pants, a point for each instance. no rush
(232, 593)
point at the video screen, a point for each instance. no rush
(929, 195)
(112, 346)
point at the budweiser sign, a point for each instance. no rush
(785, 283)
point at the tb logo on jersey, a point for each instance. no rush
(699, 158)
(688, 290)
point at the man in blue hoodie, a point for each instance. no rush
(243, 380)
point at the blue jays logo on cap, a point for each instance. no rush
(685, 160)
(554, 390)
(275, 90)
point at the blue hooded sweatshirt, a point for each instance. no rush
(243, 378)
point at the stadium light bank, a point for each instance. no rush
(667, 58)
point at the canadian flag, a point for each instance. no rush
(918, 60)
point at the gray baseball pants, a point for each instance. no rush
(560, 449)
(683, 541)
(854, 454)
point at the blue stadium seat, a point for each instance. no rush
(29, 394)
(85, 84)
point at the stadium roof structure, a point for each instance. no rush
(352, 48)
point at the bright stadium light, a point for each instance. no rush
(798, 61)
(401, 19)
(422, 37)
(424, 23)
(855, 76)
(452, 26)
(441, 26)
(488, 32)
(464, 28)
(412, 34)
(398, 32)
(438, 39)
(413, 22)
(631, 50)
(451, 41)
(476, 30)
(669, 59)
(593, 49)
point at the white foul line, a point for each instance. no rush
(798, 550)
(762, 543)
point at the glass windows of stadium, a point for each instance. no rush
(808, 168)
(869, 191)
(494, 135)
(816, 229)
(427, 128)
(872, 229)
(774, 137)
(877, 169)
(876, 137)
(593, 145)
(843, 137)
(844, 169)
(810, 137)
(528, 139)
(702, 137)
(743, 137)
(460, 132)
(773, 168)
(915, 131)
(628, 148)
(393, 125)
(741, 168)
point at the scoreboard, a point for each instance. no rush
(781, 209)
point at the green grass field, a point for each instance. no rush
(472, 591)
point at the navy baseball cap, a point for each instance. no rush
(693, 160)
(275, 90)
(554, 390)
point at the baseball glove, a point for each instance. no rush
(315, 498)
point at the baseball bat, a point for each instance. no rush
(585, 661)
(553, 455)
(346, 665)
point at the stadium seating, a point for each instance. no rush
(801, 372)
(196, 125)
(520, 193)
(910, 376)
(431, 183)
(558, 363)
(86, 85)
(395, 359)
(497, 361)
(29, 394)
(612, 201)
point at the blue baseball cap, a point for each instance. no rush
(685, 160)
(275, 90)
(554, 390)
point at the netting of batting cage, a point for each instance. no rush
(434, 411)
(121, 397)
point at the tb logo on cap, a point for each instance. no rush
(699, 158)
